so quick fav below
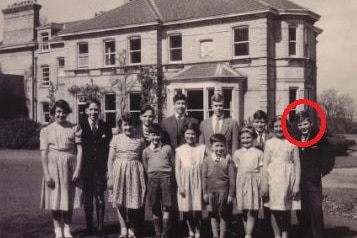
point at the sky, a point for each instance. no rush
(336, 49)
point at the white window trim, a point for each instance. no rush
(44, 45)
(114, 111)
(60, 68)
(45, 113)
(82, 56)
(45, 82)
(240, 42)
(292, 41)
(175, 48)
(109, 54)
(133, 51)
(129, 102)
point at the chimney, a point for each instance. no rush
(20, 22)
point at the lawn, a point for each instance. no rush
(20, 180)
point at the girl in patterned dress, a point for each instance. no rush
(188, 165)
(61, 156)
(281, 179)
(126, 175)
(249, 161)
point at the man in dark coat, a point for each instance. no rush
(316, 161)
(96, 136)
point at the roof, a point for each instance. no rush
(140, 12)
(207, 71)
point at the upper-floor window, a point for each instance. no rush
(45, 75)
(60, 66)
(175, 47)
(307, 43)
(44, 42)
(82, 60)
(241, 41)
(292, 97)
(109, 53)
(292, 40)
(135, 50)
(206, 48)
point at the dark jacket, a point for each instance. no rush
(316, 160)
(95, 147)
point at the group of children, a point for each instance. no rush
(265, 171)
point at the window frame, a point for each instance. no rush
(45, 44)
(292, 43)
(81, 56)
(46, 113)
(45, 75)
(108, 55)
(135, 50)
(60, 67)
(171, 49)
(110, 111)
(241, 42)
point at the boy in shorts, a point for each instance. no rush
(158, 163)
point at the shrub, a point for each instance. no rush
(340, 144)
(21, 133)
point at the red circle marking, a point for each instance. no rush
(322, 126)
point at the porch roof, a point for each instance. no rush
(216, 71)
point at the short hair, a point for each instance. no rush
(191, 126)
(302, 116)
(155, 129)
(260, 114)
(217, 98)
(278, 118)
(145, 108)
(179, 96)
(126, 117)
(61, 104)
(248, 129)
(93, 100)
(217, 138)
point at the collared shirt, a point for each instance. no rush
(178, 117)
(216, 158)
(214, 121)
(155, 148)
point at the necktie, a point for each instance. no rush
(94, 128)
(216, 127)
(261, 143)
(217, 159)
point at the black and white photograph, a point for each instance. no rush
(178, 119)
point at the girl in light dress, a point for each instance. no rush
(188, 166)
(249, 161)
(126, 176)
(61, 156)
(281, 179)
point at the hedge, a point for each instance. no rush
(21, 133)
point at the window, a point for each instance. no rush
(175, 48)
(60, 66)
(109, 53)
(134, 104)
(307, 43)
(227, 95)
(241, 41)
(206, 48)
(292, 98)
(292, 40)
(195, 103)
(110, 109)
(45, 75)
(82, 111)
(44, 42)
(135, 50)
(45, 112)
(82, 55)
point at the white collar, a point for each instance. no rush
(215, 118)
(217, 159)
(91, 122)
(151, 146)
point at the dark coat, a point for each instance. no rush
(95, 147)
(316, 160)
(172, 135)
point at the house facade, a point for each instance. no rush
(258, 54)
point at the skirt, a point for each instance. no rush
(65, 195)
(248, 191)
(128, 184)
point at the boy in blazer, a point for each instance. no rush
(260, 121)
(218, 124)
(316, 161)
(147, 116)
(96, 135)
(172, 125)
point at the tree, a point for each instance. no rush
(340, 110)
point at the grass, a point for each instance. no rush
(20, 186)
